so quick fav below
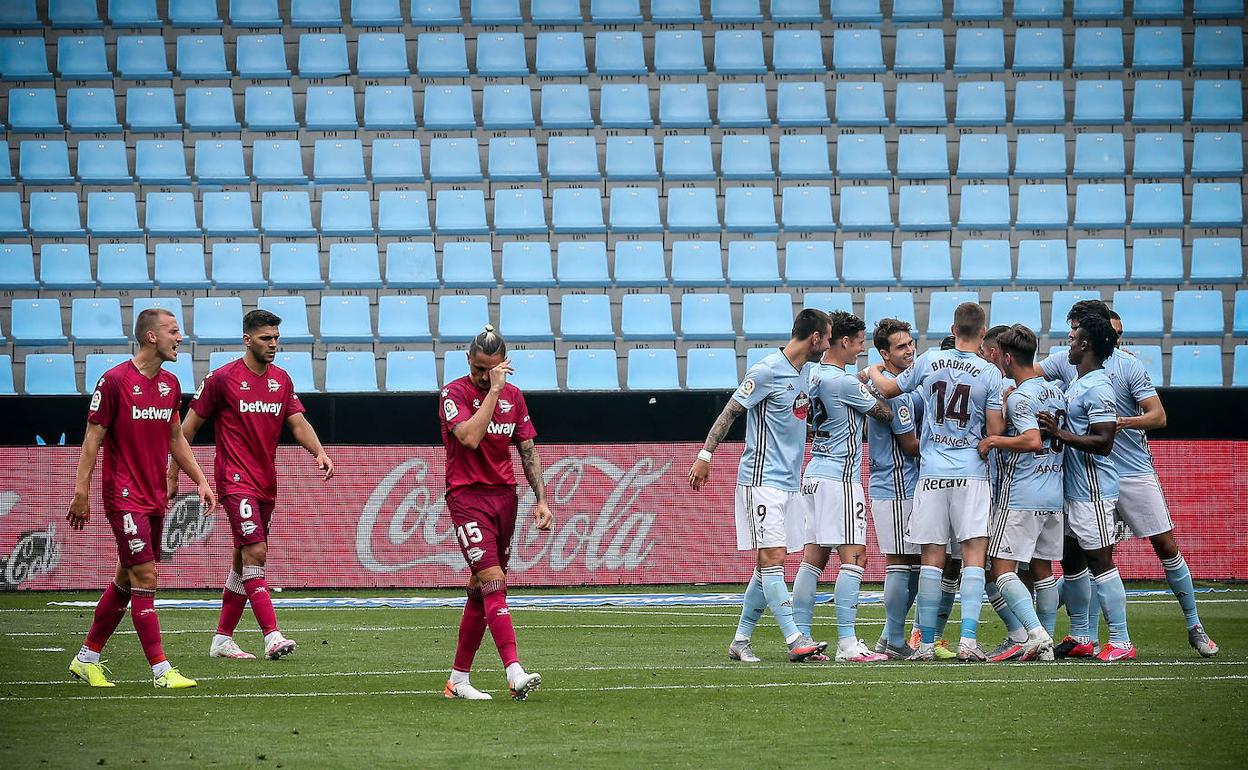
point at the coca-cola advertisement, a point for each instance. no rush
(624, 514)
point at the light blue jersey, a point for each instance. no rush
(774, 395)
(838, 404)
(1032, 481)
(957, 388)
(1131, 385)
(894, 474)
(1089, 401)
(997, 458)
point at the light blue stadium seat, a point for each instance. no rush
(122, 266)
(652, 369)
(519, 211)
(807, 11)
(380, 55)
(711, 369)
(501, 54)
(277, 161)
(96, 321)
(697, 263)
(684, 105)
(1039, 103)
(1140, 311)
(346, 212)
(65, 266)
(828, 301)
(753, 263)
(980, 104)
(862, 104)
(460, 212)
(736, 11)
(461, 317)
(160, 162)
(77, 58)
(411, 265)
(354, 266)
(739, 52)
(1158, 155)
(286, 212)
(483, 12)
(345, 319)
(1100, 261)
(749, 209)
(1197, 313)
(23, 58)
(926, 263)
(1098, 49)
(557, 12)
(293, 310)
(36, 322)
(350, 372)
(254, 14)
(888, 304)
(1063, 300)
(984, 263)
(1217, 260)
(1042, 207)
(631, 158)
(17, 267)
(590, 370)
(50, 374)
(315, 13)
(1157, 260)
(527, 265)
(1217, 204)
(219, 358)
(646, 317)
(261, 57)
(615, 53)
(615, 11)
(1157, 102)
(920, 104)
(97, 364)
(923, 208)
(218, 320)
(1216, 101)
(323, 55)
(211, 109)
(940, 310)
(560, 54)
(1040, 156)
(797, 51)
(745, 157)
(237, 266)
(867, 263)
(767, 316)
(6, 167)
(202, 57)
(980, 156)
(1098, 9)
(1099, 156)
(330, 109)
(525, 317)
(1043, 262)
(42, 161)
(441, 55)
(634, 210)
(1100, 206)
(920, 50)
(810, 263)
(1218, 48)
(376, 13)
(1157, 49)
(112, 215)
(55, 215)
(639, 263)
(979, 49)
(181, 266)
(572, 158)
(217, 161)
(857, 51)
(338, 161)
(1038, 10)
(269, 108)
(297, 364)
(865, 209)
(19, 14)
(1159, 9)
(924, 156)
(804, 157)
(1196, 366)
(576, 211)
(978, 10)
(389, 107)
(675, 11)
(1015, 307)
(862, 156)
(467, 265)
(807, 209)
(170, 214)
(449, 108)
(802, 104)
(506, 107)
(912, 11)
(584, 263)
(1239, 323)
(1039, 49)
(1239, 378)
(1100, 102)
(403, 318)
(625, 105)
(295, 266)
(193, 14)
(1213, 9)
(454, 160)
(411, 371)
(1216, 154)
(142, 57)
(1157, 205)
(34, 111)
(687, 158)
(585, 318)
(513, 159)
(397, 160)
(567, 106)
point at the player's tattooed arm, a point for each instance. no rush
(701, 469)
(532, 463)
(80, 509)
(881, 411)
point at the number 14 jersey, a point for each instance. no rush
(957, 389)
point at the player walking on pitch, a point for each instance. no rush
(134, 417)
(482, 415)
(251, 399)
(773, 395)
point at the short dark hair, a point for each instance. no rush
(949, 342)
(810, 321)
(1113, 316)
(147, 321)
(258, 319)
(992, 335)
(489, 342)
(969, 318)
(1085, 308)
(1097, 331)
(1020, 342)
(845, 325)
(885, 329)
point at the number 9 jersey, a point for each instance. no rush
(957, 389)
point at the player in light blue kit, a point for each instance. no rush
(894, 461)
(768, 520)
(832, 496)
(961, 393)
(1141, 503)
(1027, 520)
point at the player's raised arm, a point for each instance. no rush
(180, 451)
(305, 435)
(470, 432)
(701, 470)
(80, 509)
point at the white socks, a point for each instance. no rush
(87, 655)
(514, 672)
(220, 639)
(459, 677)
(161, 668)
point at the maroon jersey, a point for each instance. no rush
(250, 409)
(137, 412)
(489, 465)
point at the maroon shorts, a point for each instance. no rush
(138, 536)
(250, 518)
(485, 520)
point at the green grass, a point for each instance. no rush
(636, 688)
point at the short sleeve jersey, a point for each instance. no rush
(777, 406)
(1131, 383)
(490, 464)
(957, 388)
(250, 410)
(137, 411)
(1032, 481)
(894, 474)
(838, 405)
(1089, 401)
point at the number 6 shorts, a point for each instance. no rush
(250, 518)
(138, 536)
(484, 521)
(767, 517)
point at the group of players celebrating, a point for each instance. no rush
(985, 468)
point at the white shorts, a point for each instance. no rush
(891, 517)
(768, 518)
(1142, 505)
(949, 509)
(1091, 523)
(835, 512)
(1021, 536)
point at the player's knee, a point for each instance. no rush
(255, 554)
(1164, 545)
(143, 576)
(1101, 560)
(856, 555)
(491, 576)
(771, 557)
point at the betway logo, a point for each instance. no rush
(505, 429)
(259, 407)
(150, 413)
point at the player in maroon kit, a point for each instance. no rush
(482, 415)
(251, 398)
(134, 416)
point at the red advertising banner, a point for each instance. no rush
(624, 515)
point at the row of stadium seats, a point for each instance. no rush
(640, 264)
(253, 14)
(680, 105)
(589, 317)
(918, 208)
(537, 370)
(626, 159)
(615, 53)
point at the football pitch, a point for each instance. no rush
(622, 687)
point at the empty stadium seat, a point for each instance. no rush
(460, 212)
(810, 263)
(631, 158)
(687, 158)
(55, 215)
(766, 316)
(1063, 300)
(941, 307)
(920, 50)
(753, 263)
(867, 263)
(1039, 49)
(50, 374)
(857, 51)
(862, 104)
(984, 263)
(1159, 260)
(638, 263)
(586, 317)
(1158, 155)
(828, 301)
(862, 156)
(397, 160)
(576, 211)
(380, 56)
(561, 54)
(797, 51)
(513, 159)
(501, 54)
(19, 14)
(346, 212)
(1218, 48)
(345, 319)
(1217, 260)
(984, 207)
(1196, 366)
(448, 108)
(36, 322)
(170, 214)
(1015, 307)
(96, 321)
(217, 161)
(979, 49)
(402, 318)
(1098, 49)
(1039, 103)
(633, 209)
(684, 105)
(865, 209)
(323, 56)
(443, 13)
(525, 317)
(527, 265)
(1099, 155)
(160, 162)
(567, 106)
(468, 265)
(1218, 204)
(1217, 154)
(804, 157)
(739, 52)
(461, 317)
(142, 57)
(1140, 311)
(980, 156)
(1197, 314)
(237, 266)
(284, 212)
(17, 267)
(1157, 102)
(295, 266)
(65, 266)
(572, 158)
(584, 263)
(1043, 262)
(926, 263)
(44, 162)
(1157, 205)
(78, 59)
(593, 370)
(122, 266)
(888, 304)
(112, 215)
(330, 109)
(201, 57)
(389, 108)
(746, 157)
(697, 263)
(980, 104)
(711, 369)
(1100, 260)
(1159, 9)
(218, 320)
(1100, 206)
(354, 266)
(411, 371)
(403, 212)
(181, 266)
(646, 317)
(625, 106)
(338, 161)
(923, 208)
(807, 209)
(920, 104)
(348, 372)
(210, 109)
(269, 108)
(1157, 49)
(34, 111)
(678, 52)
(652, 369)
(507, 106)
(803, 104)
(278, 161)
(411, 266)
(293, 311)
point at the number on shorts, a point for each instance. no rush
(957, 407)
(128, 526)
(858, 510)
(244, 509)
(469, 533)
(761, 512)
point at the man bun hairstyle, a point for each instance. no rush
(1097, 331)
(810, 321)
(885, 329)
(1020, 342)
(845, 325)
(148, 320)
(489, 342)
(258, 319)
